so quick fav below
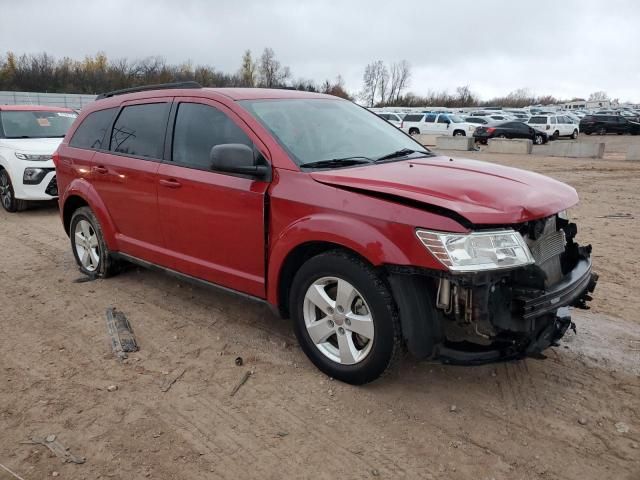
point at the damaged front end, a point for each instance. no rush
(472, 317)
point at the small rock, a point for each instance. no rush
(54, 474)
(239, 361)
(51, 438)
(368, 411)
(582, 421)
(622, 427)
(282, 434)
(635, 445)
(330, 393)
(112, 388)
(453, 408)
(375, 473)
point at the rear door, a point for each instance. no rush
(430, 126)
(213, 222)
(125, 176)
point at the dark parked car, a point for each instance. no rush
(603, 124)
(510, 130)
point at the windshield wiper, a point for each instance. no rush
(337, 162)
(401, 153)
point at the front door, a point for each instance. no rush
(213, 223)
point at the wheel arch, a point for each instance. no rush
(80, 194)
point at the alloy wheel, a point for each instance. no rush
(87, 246)
(338, 320)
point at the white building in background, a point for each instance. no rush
(587, 104)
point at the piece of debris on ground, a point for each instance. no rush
(242, 381)
(172, 378)
(58, 449)
(123, 340)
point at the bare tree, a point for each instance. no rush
(371, 80)
(599, 96)
(272, 73)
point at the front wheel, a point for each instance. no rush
(414, 131)
(345, 317)
(538, 140)
(556, 135)
(574, 135)
(7, 196)
(459, 133)
(88, 245)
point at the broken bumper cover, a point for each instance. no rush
(573, 290)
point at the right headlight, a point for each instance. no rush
(477, 251)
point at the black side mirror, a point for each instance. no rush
(237, 158)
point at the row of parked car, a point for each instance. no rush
(540, 127)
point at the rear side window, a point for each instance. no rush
(413, 118)
(139, 130)
(91, 132)
(538, 120)
(199, 128)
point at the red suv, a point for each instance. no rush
(342, 222)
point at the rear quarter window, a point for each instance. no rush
(91, 132)
(538, 120)
(413, 118)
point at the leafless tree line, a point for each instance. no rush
(96, 74)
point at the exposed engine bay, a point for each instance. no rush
(486, 316)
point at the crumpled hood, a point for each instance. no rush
(36, 146)
(481, 192)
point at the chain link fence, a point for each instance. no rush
(69, 100)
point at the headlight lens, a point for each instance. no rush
(32, 157)
(477, 251)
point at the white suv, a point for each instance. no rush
(437, 124)
(29, 134)
(555, 125)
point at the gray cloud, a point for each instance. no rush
(565, 48)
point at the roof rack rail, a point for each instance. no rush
(143, 88)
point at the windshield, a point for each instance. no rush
(35, 123)
(313, 130)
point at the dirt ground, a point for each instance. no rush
(575, 415)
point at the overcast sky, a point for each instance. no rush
(561, 47)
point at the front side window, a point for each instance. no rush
(319, 129)
(35, 123)
(431, 118)
(198, 129)
(139, 130)
(443, 119)
(91, 132)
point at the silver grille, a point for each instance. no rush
(547, 249)
(549, 246)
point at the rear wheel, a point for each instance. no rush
(345, 317)
(459, 133)
(414, 131)
(502, 135)
(7, 196)
(88, 245)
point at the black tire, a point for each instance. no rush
(107, 264)
(538, 140)
(574, 135)
(7, 196)
(387, 341)
(556, 135)
(414, 131)
(459, 133)
(587, 133)
(502, 135)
